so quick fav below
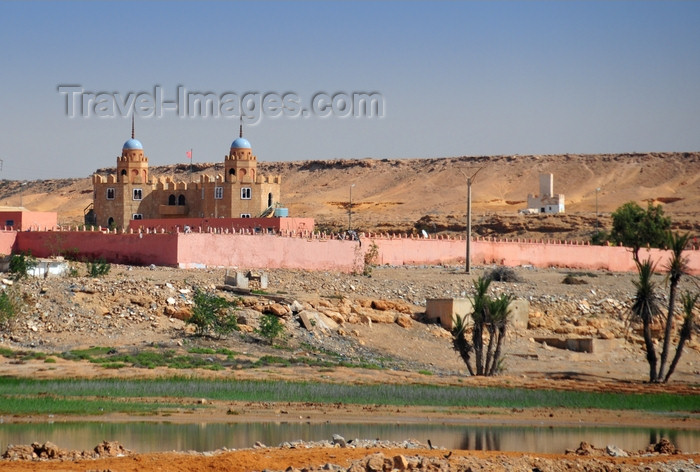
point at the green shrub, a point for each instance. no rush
(9, 306)
(98, 267)
(21, 264)
(600, 238)
(212, 315)
(270, 328)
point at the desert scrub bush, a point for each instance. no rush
(212, 315)
(571, 280)
(371, 258)
(502, 274)
(10, 304)
(270, 328)
(21, 264)
(98, 267)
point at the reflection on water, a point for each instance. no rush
(148, 437)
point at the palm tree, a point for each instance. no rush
(460, 343)
(677, 266)
(646, 308)
(499, 322)
(481, 316)
(688, 302)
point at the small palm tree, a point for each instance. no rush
(460, 342)
(689, 301)
(677, 266)
(646, 308)
(481, 317)
(499, 310)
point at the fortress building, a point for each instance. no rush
(132, 194)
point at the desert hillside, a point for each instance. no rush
(409, 194)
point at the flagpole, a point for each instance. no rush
(191, 159)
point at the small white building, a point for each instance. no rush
(546, 201)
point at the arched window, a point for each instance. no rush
(171, 200)
(110, 222)
(269, 199)
(181, 200)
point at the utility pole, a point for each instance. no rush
(596, 208)
(350, 210)
(468, 258)
(21, 188)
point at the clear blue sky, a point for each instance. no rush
(467, 78)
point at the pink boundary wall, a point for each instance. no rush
(318, 252)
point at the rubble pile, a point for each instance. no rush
(50, 451)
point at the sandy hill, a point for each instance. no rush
(404, 194)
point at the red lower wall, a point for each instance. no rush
(136, 249)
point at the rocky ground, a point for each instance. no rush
(378, 319)
(339, 455)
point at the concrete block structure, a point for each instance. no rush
(546, 201)
(132, 194)
(519, 313)
(446, 309)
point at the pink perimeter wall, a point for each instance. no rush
(256, 251)
(320, 253)
(265, 251)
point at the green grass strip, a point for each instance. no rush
(381, 394)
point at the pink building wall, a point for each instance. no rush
(24, 220)
(320, 253)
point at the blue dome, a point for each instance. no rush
(240, 143)
(133, 144)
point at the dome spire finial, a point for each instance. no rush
(240, 129)
(132, 126)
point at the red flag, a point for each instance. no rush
(189, 154)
